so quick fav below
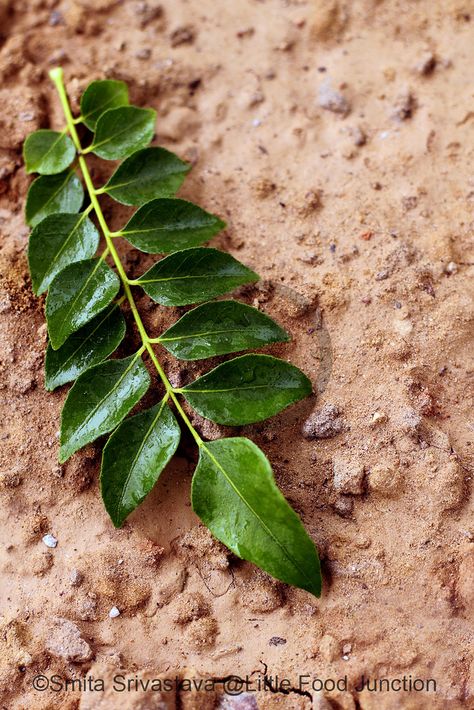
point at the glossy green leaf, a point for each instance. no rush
(247, 389)
(50, 194)
(166, 225)
(100, 96)
(145, 175)
(76, 295)
(88, 346)
(48, 152)
(235, 495)
(121, 131)
(194, 275)
(134, 457)
(218, 328)
(57, 241)
(98, 401)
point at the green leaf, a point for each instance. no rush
(134, 457)
(98, 401)
(218, 328)
(235, 495)
(166, 224)
(147, 174)
(57, 241)
(122, 131)
(76, 295)
(48, 152)
(247, 389)
(194, 275)
(50, 194)
(91, 344)
(100, 96)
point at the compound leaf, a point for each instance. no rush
(166, 225)
(235, 495)
(194, 275)
(48, 152)
(76, 295)
(88, 346)
(247, 389)
(147, 174)
(98, 401)
(100, 96)
(134, 457)
(50, 194)
(218, 328)
(57, 241)
(121, 131)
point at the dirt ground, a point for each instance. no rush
(336, 140)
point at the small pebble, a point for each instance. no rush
(452, 268)
(50, 540)
(114, 612)
(26, 116)
(332, 100)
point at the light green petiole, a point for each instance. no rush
(57, 76)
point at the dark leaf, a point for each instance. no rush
(134, 457)
(88, 346)
(147, 174)
(247, 389)
(57, 241)
(166, 225)
(100, 96)
(218, 328)
(50, 194)
(194, 275)
(235, 495)
(98, 401)
(76, 295)
(48, 152)
(121, 131)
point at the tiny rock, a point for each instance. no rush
(76, 578)
(426, 65)
(404, 106)
(348, 476)
(332, 100)
(378, 418)
(114, 612)
(384, 480)
(50, 540)
(324, 424)
(66, 642)
(329, 648)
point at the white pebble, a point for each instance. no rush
(50, 541)
(114, 612)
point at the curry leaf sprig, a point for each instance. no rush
(233, 488)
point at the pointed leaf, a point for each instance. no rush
(91, 344)
(166, 225)
(147, 174)
(100, 96)
(59, 240)
(134, 457)
(99, 400)
(247, 389)
(48, 152)
(194, 275)
(76, 295)
(50, 194)
(122, 131)
(218, 328)
(235, 495)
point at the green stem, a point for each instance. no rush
(57, 76)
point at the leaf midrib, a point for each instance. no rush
(55, 194)
(51, 147)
